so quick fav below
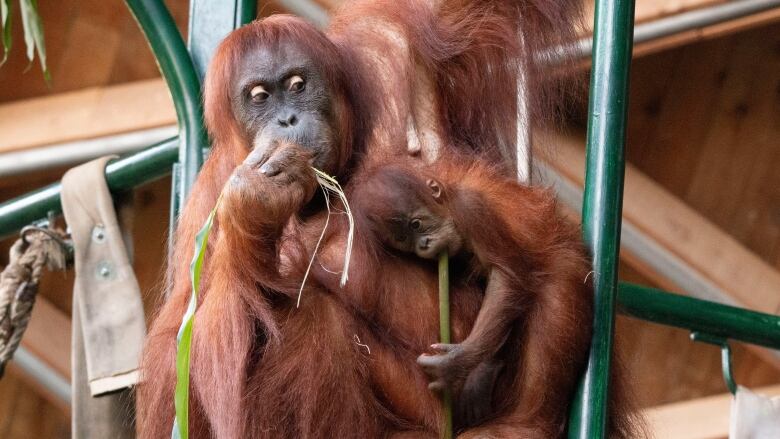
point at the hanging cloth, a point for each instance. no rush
(108, 318)
(754, 416)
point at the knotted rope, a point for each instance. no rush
(37, 247)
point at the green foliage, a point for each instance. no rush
(5, 21)
(33, 32)
(184, 338)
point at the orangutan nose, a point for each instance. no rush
(425, 243)
(288, 120)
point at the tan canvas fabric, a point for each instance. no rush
(108, 318)
(754, 416)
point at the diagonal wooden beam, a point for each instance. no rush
(677, 228)
(85, 114)
(48, 336)
(707, 33)
(667, 241)
(47, 340)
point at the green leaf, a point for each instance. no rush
(33, 34)
(6, 9)
(29, 41)
(184, 338)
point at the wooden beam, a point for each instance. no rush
(85, 114)
(708, 33)
(48, 336)
(680, 230)
(668, 242)
(649, 10)
(103, 111)
(330, 5)
(646, 10)
(704, 418)
(28, 380)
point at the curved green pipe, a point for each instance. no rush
(180, 75)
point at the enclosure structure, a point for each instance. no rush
(607, 125)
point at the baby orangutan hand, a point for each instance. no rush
(451, 365)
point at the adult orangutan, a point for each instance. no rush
(387, 77)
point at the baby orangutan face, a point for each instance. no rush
(421, 225)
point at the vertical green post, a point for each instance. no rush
(444, 332)
(602, 207)
(210, 22)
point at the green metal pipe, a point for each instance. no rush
(180, 75)
(602, 205)
(700, 316)
(121, 175)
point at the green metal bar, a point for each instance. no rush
(121, 175)
(696, 315)
(210, 22)
(179, 72)
(602, 206)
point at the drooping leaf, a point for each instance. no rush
(6, 9)
(33, 34)
(29, 41)
(184, 338)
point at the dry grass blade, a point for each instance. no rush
(329, 185)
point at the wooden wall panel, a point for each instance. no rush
(704, 124)
(740, 153)
(25, 414)
(708, 132)
(89, 43)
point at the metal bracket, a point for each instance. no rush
(725, 356)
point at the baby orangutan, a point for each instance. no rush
(511, 240)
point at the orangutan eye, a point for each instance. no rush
(415, 224)
(296, 83)
(258, 93)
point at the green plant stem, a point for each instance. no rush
(444, 332)
(184, 338)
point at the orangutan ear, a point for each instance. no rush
(435, 188)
